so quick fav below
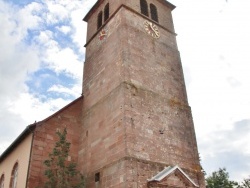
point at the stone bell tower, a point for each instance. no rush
(137, 127)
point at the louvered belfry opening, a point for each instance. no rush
(106, 12)
(153, 12)
(99, 20)
(144, 7)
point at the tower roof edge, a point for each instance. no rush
(86, 17)
(167, 3)
(96, 5)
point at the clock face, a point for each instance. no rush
(103, 34)
(151, 29)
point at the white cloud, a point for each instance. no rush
(29, 17)
(64, 29)
(64, 60)
(59, 59)
(231, 150)
(45, 38)
(29, 45)
(213, 40)
(74, 91)
(18, 59)
(16, 62)
(57, 12)
(80, 27)
(35, 109)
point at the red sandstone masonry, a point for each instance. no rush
(45, 138)
(134, 88)
(134, 119)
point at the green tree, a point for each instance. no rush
(220, 179)
(59, 171)
(245, 183)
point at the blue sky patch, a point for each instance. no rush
(42, 80)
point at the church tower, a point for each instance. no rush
(137, 127)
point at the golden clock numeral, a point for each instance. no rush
(151, 29)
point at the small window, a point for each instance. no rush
(99, 20)
(144, 7)
(97, 177)
(2, 181)
(153, 11)
(106, 12)
(14, 173)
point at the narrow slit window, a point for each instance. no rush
(106, 12)
(144, 7)
(99, 20)
(153, 11)
(97, 177)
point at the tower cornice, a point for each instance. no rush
(99, 2)
(128, 8)
(168, 4)
(92, 10)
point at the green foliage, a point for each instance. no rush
(245, 183)
(220, 179)
(60, 172)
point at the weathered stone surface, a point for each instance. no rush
(44, 139)
(136, 118)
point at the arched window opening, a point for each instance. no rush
(2, 181)
(144, 7)
(106, 12)
(14, 173)
(99, 20)
(153, 11)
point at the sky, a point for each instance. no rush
(41, 67)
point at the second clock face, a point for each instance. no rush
(103, 34)
(151, 29)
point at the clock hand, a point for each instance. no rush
(151, 26)
(102, 34)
